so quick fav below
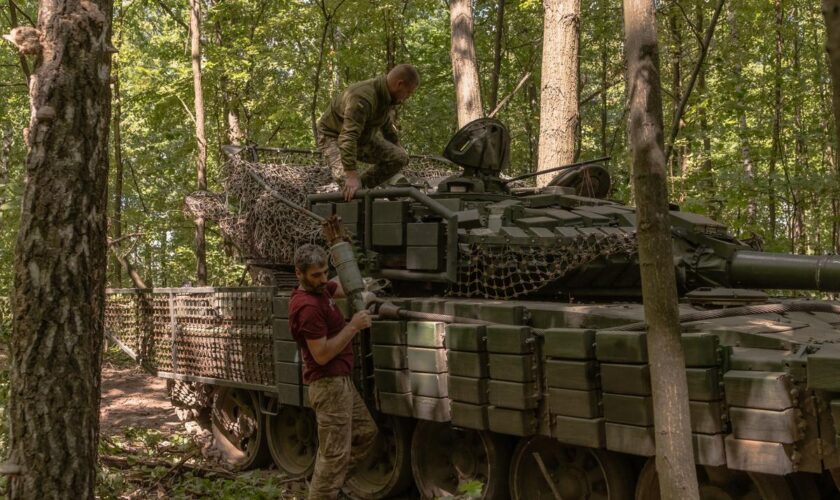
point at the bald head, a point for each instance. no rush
(402, 81)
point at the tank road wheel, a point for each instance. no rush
(191, 400)
(238, 433)
(293, 440)
(574, 472)
(720, 483)
(387, 470)
(443, 458)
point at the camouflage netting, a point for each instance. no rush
(262, 227)
(510, 271)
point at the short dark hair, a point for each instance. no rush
(309, 255)
(405, 72)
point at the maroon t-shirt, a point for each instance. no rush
(316, 315)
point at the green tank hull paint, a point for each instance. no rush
(470, 416)
(469, 364)
(463, 337)
(579, 431)
(573, 403)
(468, 390)
(569, 343)
(509, 339)
(425, 334)
(388, 333)
(395, 381)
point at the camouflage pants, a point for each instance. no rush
(346, 433)
(387, 158)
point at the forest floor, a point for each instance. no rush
(146, 452)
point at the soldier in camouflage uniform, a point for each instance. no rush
(359, 125)
(346, 431)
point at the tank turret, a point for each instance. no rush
(478, 237)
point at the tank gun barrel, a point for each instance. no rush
(785, 271)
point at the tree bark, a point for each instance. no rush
(797, 224)
(497, 54)
(741, 110)
(235, 134)
(707, 180)
(674, 455)
(60, 257)
(559, 113)
(24, 64)
(831, 14)
(6, 142)
(533, 136)
(201, 158)
(676, 87)
(605, 58)
(464, 68)
(776, 152)
(116, 216)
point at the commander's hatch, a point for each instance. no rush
(482, 149)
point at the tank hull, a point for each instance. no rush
(763, 388)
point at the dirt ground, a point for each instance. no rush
(133, 398)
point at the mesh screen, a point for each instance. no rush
(507, 272)
(261, 226)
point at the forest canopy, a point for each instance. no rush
(754, 149)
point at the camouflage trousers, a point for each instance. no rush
(387, 159)
(346, 434)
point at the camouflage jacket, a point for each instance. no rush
(356, 114)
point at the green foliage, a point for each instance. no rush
(263, 62)
(151, 465)
(466, 490)
(5, 334)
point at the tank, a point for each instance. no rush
(508, 354)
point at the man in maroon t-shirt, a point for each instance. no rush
(346, 431)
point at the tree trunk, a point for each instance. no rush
(313, 108)
(464, 68)
(13, 21)
(605, 58)
(800, 164)
(674, 455)
(559, 86)
(533, 136)
(201, 160)
(6, 142)
(116, 216)
(60, 257)
(776, 153)
(235, 134)
(676, 86)
(741, 110)
(497, 54)
(831, 14)
(707, 180)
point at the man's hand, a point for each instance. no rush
(360, 320)
(352, 183)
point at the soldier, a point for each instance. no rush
(358, 126)
(346, 431)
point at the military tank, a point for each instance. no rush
(508, 353)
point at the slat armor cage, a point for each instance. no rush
(207, 334)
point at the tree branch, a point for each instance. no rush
(24, 65)
(172, 15)
(704, 50)
(14, 6)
